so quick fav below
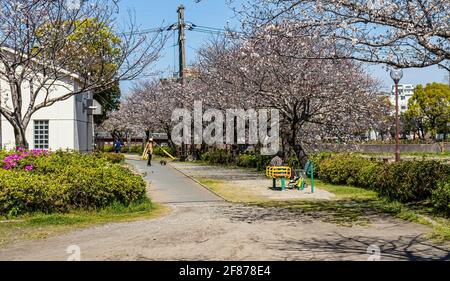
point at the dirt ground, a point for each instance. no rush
(222, 231)
(254, 184)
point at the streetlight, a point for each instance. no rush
(396, 75)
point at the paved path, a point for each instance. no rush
(201, 227)
(168, 185)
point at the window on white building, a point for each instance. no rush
(403, 107)
(402, 97)
(41, 134)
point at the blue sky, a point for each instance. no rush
(216, 13)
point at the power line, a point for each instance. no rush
(191, 27)
(147, 31)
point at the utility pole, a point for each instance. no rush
(182, 64)
(181, 44)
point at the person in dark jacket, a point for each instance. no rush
(117, 145)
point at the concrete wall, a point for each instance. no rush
(383, 148)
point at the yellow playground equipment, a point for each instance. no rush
(281, 172)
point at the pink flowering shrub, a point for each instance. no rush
(38, 181)
(21, 159)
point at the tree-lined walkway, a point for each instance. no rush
(168, 185)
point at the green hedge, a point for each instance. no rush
(133, 149)
(246, 160)
(111, 157)
(342, 169)
(441, 197)
(407, 181)
(64, 181)
(108, 148)
(410, 181)
(137, 149)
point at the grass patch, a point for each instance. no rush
(40, 225)
(230, 191)
(441, 230)
(344, 192)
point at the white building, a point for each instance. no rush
(64, 125)
(405, 92)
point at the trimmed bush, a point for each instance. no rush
(64, 181)
(96, 188)
(220, 157)
(410, 181)
(342, 169)
(369, 175)
(440, 197)
(108, 148)
(247, 161)
(112, 157)
(204, 156)
(407, 181)
(136, 149)
(23, 192)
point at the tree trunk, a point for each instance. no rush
(129, 141)
(301, 154)
(20, 138)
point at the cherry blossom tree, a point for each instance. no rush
(148, 108)
(318, 99)
(400, 33)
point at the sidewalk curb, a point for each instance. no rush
(195, 180)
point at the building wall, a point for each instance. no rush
(405, 92)
(83, 125)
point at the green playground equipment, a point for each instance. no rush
(300, 176)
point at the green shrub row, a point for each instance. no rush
(64, 181)
(407, 181)
(246, 160)
(133, 149)
(137, 149)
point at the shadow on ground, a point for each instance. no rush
(345, 213)
(413, 248)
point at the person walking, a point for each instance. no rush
(117, 145)
(149, 149)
